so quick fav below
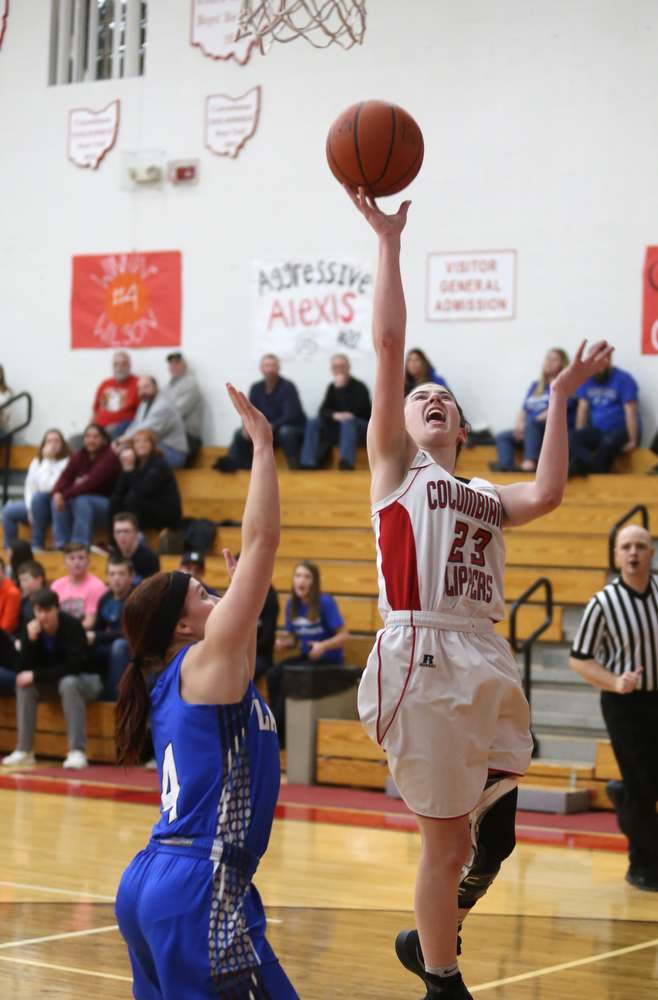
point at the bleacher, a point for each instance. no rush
(326, 517)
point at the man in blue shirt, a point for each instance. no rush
(607, 421)
(278, 400)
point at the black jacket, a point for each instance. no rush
(350, 398)
(69, 655)
(267, 625)
(154, 482)
(107, 629)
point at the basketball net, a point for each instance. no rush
(320, 21)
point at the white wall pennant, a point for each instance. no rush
(92, 134)
(230, 121)
(214, 24)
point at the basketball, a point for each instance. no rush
(375, 145)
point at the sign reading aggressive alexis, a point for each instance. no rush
(304, 307)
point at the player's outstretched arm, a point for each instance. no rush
(220, 662)
(390, 449)
(523, 502)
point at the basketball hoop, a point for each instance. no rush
(320, 21)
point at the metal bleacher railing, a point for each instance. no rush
(7, 439)
(525, 646)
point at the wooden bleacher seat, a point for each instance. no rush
(50, 736)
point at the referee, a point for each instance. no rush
(616, 650)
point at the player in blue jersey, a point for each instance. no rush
(187, 907)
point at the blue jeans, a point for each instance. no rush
(288, 438)
(13, 514)
(533, 436)
(321, 434)
(607, 445)
(176, 459)
(111, 659)
(75, 522)
(7, 683)
(41, 518)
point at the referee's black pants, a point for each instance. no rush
(632, 721)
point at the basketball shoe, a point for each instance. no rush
(408, 950)
(450, 986)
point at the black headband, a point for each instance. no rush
(170, 611)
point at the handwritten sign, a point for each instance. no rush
(230, 121)
(126, 300)
(303, 307)
(479, 285)
(92, 134)
(214, 26)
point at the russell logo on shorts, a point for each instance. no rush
(428, 660)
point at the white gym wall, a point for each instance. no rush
(541, 136)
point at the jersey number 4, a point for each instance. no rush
(480, 539)
(170, 785)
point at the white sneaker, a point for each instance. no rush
(25, 758)
(75, 760)
(151, 765)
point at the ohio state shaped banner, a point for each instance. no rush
(214, 24)
(126, 300)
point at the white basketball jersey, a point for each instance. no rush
(440, 545)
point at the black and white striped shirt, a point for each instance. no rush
(620, 630)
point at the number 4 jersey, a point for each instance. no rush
(440, 545)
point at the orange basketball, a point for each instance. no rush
(375, 145)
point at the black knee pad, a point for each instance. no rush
(494, 839)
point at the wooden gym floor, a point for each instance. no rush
(559, 923)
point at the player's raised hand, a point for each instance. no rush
(231, 562)
(384, 225)
(582, 368)
(254, 421)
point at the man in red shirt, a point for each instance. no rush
(10, 602)
(116, 399)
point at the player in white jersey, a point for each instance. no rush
(441, 692)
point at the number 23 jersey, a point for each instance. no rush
(440, 545)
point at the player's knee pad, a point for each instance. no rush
(494, 839)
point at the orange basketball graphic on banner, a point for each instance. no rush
(126, 300)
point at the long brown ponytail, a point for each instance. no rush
(139, 620)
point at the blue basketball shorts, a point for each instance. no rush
(163, 909)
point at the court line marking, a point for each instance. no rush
(65, 892)
(59, 937)
(65, 968)
(564, 965)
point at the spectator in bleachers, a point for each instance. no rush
(155, 413)
(79, 591)
(184, 393)
(109, 650)
(194, 563)
(5, 395)
(44, 471)
(18, 552)
(10, 602)
(54, 664)
(125, 531)
(342, 419)
(81, 496)
(607, 421)
(314, 622)
(418, 370)
(531, 421)
(278, 399)
(31, 577)
(116, 398)
(147, 486)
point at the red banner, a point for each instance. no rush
(126, 300)
(650, 310)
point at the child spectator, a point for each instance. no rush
(125, 531)
(116, 399)
(31, 577)
(147, 486)
(53, 664)
(109, 650)
(10, 602)
(312, 620)
(80, 591)
(531, 421)
(44, 471)
(19, 552)
(194, 563)
(81, 495)
(418, 370)
(607, 421)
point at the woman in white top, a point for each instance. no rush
(43, 473)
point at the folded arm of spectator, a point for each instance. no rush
(100, 478)
(73, 654)
(582, 414)
(632, 426)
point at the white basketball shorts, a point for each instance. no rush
(443, 697)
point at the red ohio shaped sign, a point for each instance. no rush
(126, 300)
(650, 308)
